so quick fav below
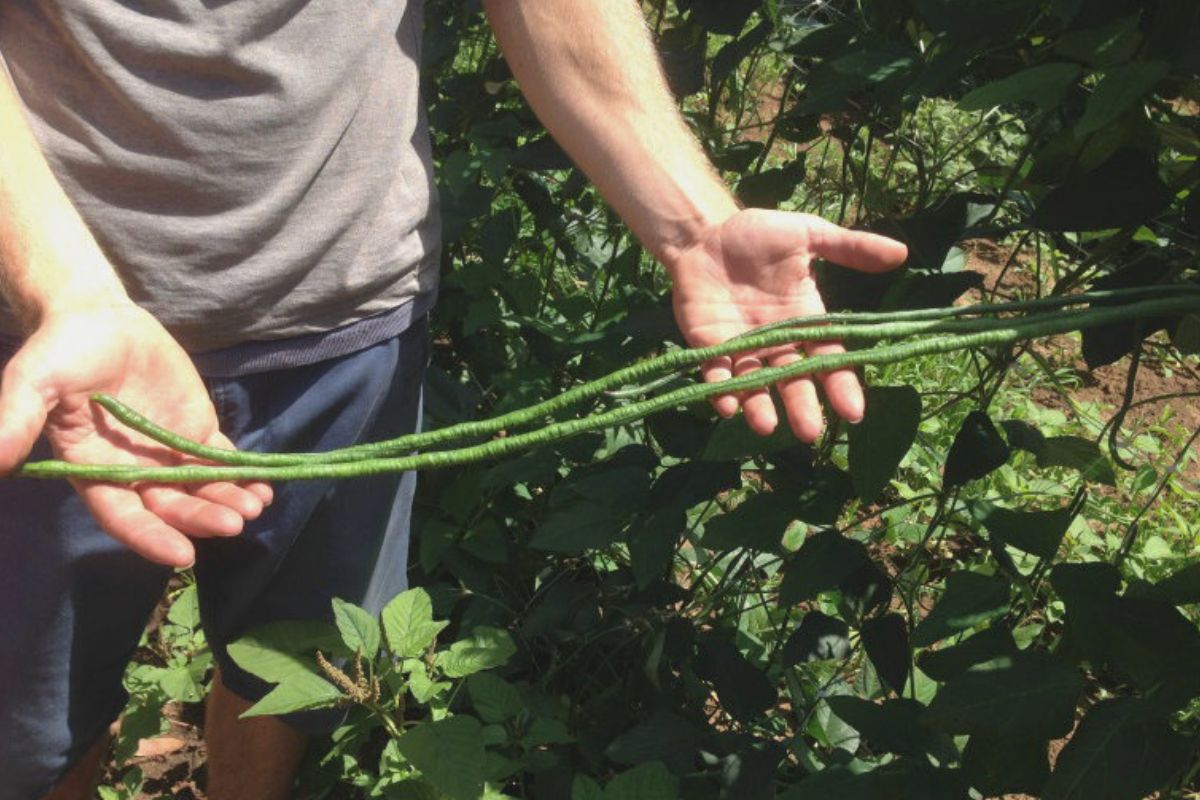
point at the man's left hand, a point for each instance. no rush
(753, 269)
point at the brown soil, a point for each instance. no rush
(172, 764)
(1104, 386)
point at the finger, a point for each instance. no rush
(756, 403)
(260, 489)
(867, 252)
(720, 369)
(119, 512)
(189, 514)
(23, 411)
(245, 503)
(841, 385)
(800, 402)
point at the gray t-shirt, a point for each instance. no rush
(256, 170)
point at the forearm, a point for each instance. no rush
(48, 257)
(589, 69)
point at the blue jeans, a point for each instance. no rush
(73, 602)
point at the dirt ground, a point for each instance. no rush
(1104, 386)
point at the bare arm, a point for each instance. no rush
(84, 335)
(589, 69)
(48, 258)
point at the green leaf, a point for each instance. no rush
(485, 648)
(1122, 191)
(139, 721)
(583, 525)
(824, 560)
(770, 188)
(743, 689)
(185, 610)
(584, 788)
(949, 662)
(408, 623)
(1044, 85)
(820, 497)
(412, 788)
(1087, 579)
(970, 599)
(1079, 454)
(1150, 642)
(298, 692)
(1180, 588)
(494, 699)
(425, 688)
(1036, 532)
(864, 592)
(893, 726)
(682, 51)
(180, 684)
(819, 638)
(732, 439)
(650, 781)
(1121, 751)
(757, 523)
(751, 771)
(1028, 693)
(545, 731)
(727, 17)
(886, 641)
(449, 753)
(880, 441)
(1104, 45)
(1120, 88)
(264, 660)
(999, 765)
(360, 630)
(1023, 436)
(978, 449)
(727, 60)
(664, 737)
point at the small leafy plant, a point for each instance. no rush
(392, 669)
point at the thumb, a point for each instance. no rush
(23, 411)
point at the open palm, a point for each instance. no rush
(754, 269)
(124, 352)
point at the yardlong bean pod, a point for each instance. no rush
(1007, 332)
(864, 327)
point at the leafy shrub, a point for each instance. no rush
(952, 598)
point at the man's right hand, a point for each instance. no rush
(119, 349)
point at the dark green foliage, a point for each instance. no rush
(887, 644)
(970, 599)
(819, 638)
(676, 607)
(978, 449)
(883, 438)
(1122, 750)
(1037, 532)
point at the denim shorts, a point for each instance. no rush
(73, 602)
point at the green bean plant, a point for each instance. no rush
(989, 587)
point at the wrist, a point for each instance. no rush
(681, 234)
(39, 307)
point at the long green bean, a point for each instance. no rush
(874, 327)
(1006, 332)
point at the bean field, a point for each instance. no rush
(990, 587)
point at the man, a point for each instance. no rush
(244, 188)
